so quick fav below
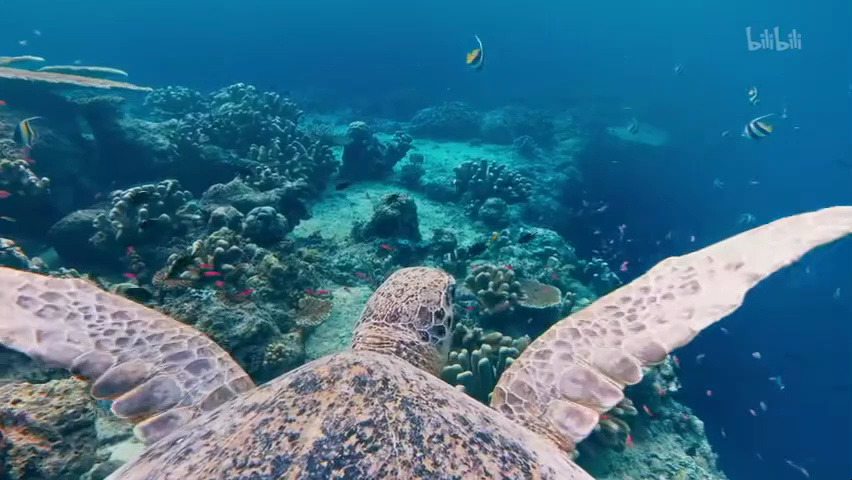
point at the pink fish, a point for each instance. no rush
(554, 276)
(676, 361)
(709, 393)
(323, 292)
(648, 411)
(310, 291)
(220, 283)
(623, 267)
(361, 275)
(245, 293)
(131, 276)
(212, 274)
(386, 247)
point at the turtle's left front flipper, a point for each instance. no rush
(577, 369)
(158, 371)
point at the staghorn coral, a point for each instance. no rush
(495, 287)
(478, 359)
(478, 181)
(17, 178)
(145, 213)
(395, 216)
(365, 157)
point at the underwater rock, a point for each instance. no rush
(494, 213)
(525, 147)
(70, 237)
(448, 121)
(48, 430)
(265, 226)
(365, 157)
(395, 216)
(411, 172)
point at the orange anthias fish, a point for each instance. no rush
(476, 58)
(5, 194)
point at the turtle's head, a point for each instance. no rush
(410, 316)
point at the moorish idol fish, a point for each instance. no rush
(24, 134)
(753, 96)
(476, 58)
(633, 127)
(757, 129)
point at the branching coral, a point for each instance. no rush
(478, 181)
(495, 287)
(17, 178)
(479, 359)
(145, 213)
(175, 100)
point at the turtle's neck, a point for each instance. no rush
(405, 346)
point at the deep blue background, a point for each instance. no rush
(556, 55)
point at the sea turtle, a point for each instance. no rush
(379, 410)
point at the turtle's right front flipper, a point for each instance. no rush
(158, 371)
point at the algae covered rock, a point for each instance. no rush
(47, 430)
(395, 216)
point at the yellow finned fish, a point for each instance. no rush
(476, 58)
(25, 134)
(757, 129)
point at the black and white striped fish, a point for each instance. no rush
(633, 127)
(753, 96)
(757, 128)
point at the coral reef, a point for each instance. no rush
(174, 100)
(449, 121)
(526, 147)
(494, 213)
(478, 359)
(264, 225)
(365, 157)
(146, 213)
(394, 216)
(476, 182)
(504, 125)
(17, 178)
(496, 288)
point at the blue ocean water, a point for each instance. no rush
(392, 58)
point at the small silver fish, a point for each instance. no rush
(756, 355)
(763, 405)
(699, 358)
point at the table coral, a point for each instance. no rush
(312, 312)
